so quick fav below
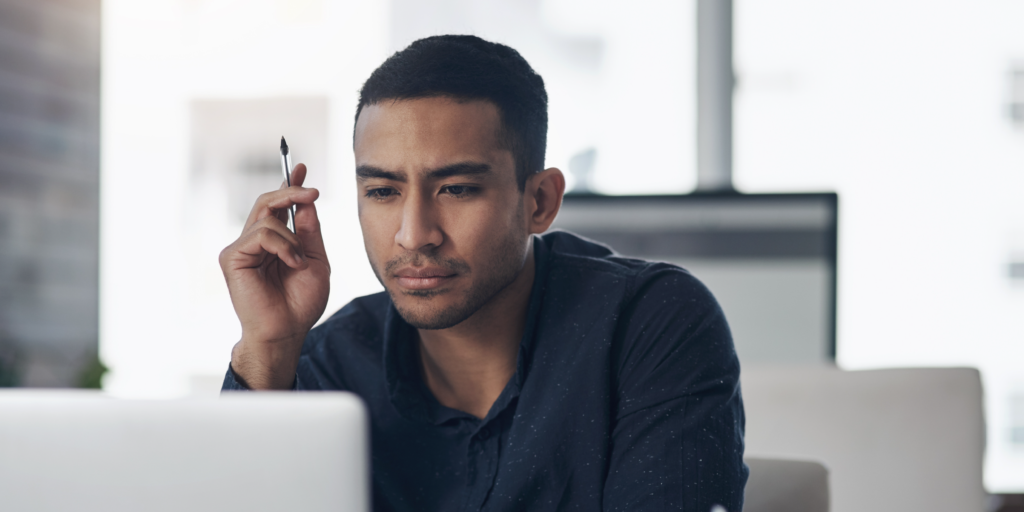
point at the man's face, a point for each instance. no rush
(441, 213)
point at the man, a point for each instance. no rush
(502, 370)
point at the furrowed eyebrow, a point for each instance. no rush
(460, 169)
(368, 171)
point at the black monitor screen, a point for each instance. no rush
(770, 259)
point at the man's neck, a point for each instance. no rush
(467, 366)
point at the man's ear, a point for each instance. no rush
(543, 198)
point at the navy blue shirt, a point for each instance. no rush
(626, 396)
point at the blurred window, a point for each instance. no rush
(902, 108)
(620, 78)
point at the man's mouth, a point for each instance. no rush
(423, 278)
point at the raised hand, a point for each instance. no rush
(279, 282)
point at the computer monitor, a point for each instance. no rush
(66, 450)
(769, 259)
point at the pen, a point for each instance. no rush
(286, 168)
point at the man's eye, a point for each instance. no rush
(458, 190)
(380, 194)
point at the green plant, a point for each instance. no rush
(92, 373)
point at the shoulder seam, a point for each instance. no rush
(598, 264)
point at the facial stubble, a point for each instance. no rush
(504, 263)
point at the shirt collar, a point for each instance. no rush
(403, 374)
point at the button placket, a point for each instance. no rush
(484, 462)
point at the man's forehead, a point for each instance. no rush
(428, 132)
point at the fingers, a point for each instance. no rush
(268, 236)
(298, 177)
(307, 228)
(278, 202)
(267, 224)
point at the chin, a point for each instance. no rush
(436, 308)
(427, 312)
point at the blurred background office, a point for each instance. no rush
(134, 136)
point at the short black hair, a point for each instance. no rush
(470, 68)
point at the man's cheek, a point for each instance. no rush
(374, 235)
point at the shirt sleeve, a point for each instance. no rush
(232, 382)
(677, 437)
(319, 367)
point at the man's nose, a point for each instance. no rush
(419, 230)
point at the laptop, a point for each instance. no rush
(68, 450)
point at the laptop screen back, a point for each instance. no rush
(64, 451)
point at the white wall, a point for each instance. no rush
(167, 325)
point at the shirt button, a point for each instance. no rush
(484, 433)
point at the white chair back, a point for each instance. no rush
(893, 440)
(780, 485)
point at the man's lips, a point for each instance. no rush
(424, 278)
